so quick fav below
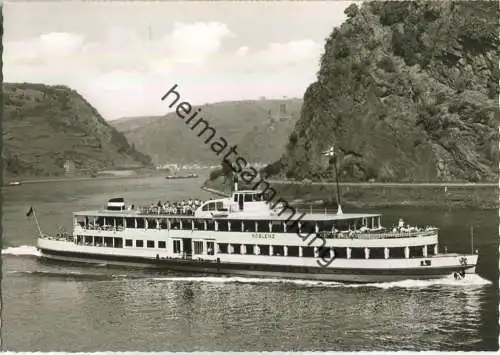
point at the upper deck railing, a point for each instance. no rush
(386, 234)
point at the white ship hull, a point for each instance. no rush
(340, 270)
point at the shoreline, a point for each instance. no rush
(449, 195)
(475, 196)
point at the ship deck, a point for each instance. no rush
(234, 216)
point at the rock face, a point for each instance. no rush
(259, 129)
(406, 91)
(48, 127)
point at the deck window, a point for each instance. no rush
(198, 247)
(236, 248)
(377, 253)
(222, 225)
(249, 226)
(324, 253)
(199, 224)
(249, 249)
(140, 223)
(430, 250)
(292, 227)
(128, 242)
(326, 226)
(139, 243)
(177, 247)
(150, 243)
(340, 253)
(308, 252)
(293, 251)
(416, 252)
(175, 223)
(277, 227)
(163, 224)
(236, 226)
(119, 222)
(162, 244)
(264, 249)
(108, 242)
(151, 223)
(118, 242)
(210, 248)
(262, 226)
(307, 227)
(397, 253)
(210, 225)
(248, 198)
(342, 225)
(129, 222)
(223, 248)
(357, 253)
(278, 250)
(187, 224)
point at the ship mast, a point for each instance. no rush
(332, 156)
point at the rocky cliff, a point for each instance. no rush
(45, 127)
(406, 91)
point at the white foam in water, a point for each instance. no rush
(21, 250)
(469, 280)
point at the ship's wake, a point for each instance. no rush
(22, 250)
(470, 280)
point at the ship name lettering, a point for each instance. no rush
(263, 235)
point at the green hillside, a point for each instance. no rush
(254, 126)
(46, 126)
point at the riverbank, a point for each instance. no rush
(367, 195)
(484, 196)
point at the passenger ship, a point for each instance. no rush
(244, 235)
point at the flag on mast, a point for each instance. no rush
(30, 211)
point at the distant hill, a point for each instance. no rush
(46, 126)
(254, 126)
(406, 91)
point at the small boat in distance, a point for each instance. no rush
(185, 176)
(14, 183)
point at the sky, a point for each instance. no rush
(123, 57)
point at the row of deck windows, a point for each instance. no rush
(183, 245)
(230, 225)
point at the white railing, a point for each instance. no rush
(385, 235)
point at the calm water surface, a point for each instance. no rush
(59, 306)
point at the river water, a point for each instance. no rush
(51, 306)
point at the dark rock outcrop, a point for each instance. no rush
(406, 91)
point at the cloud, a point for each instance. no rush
(125, 73)
(193, 43)
(292, 52)
(40, 49)
(242, 51)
